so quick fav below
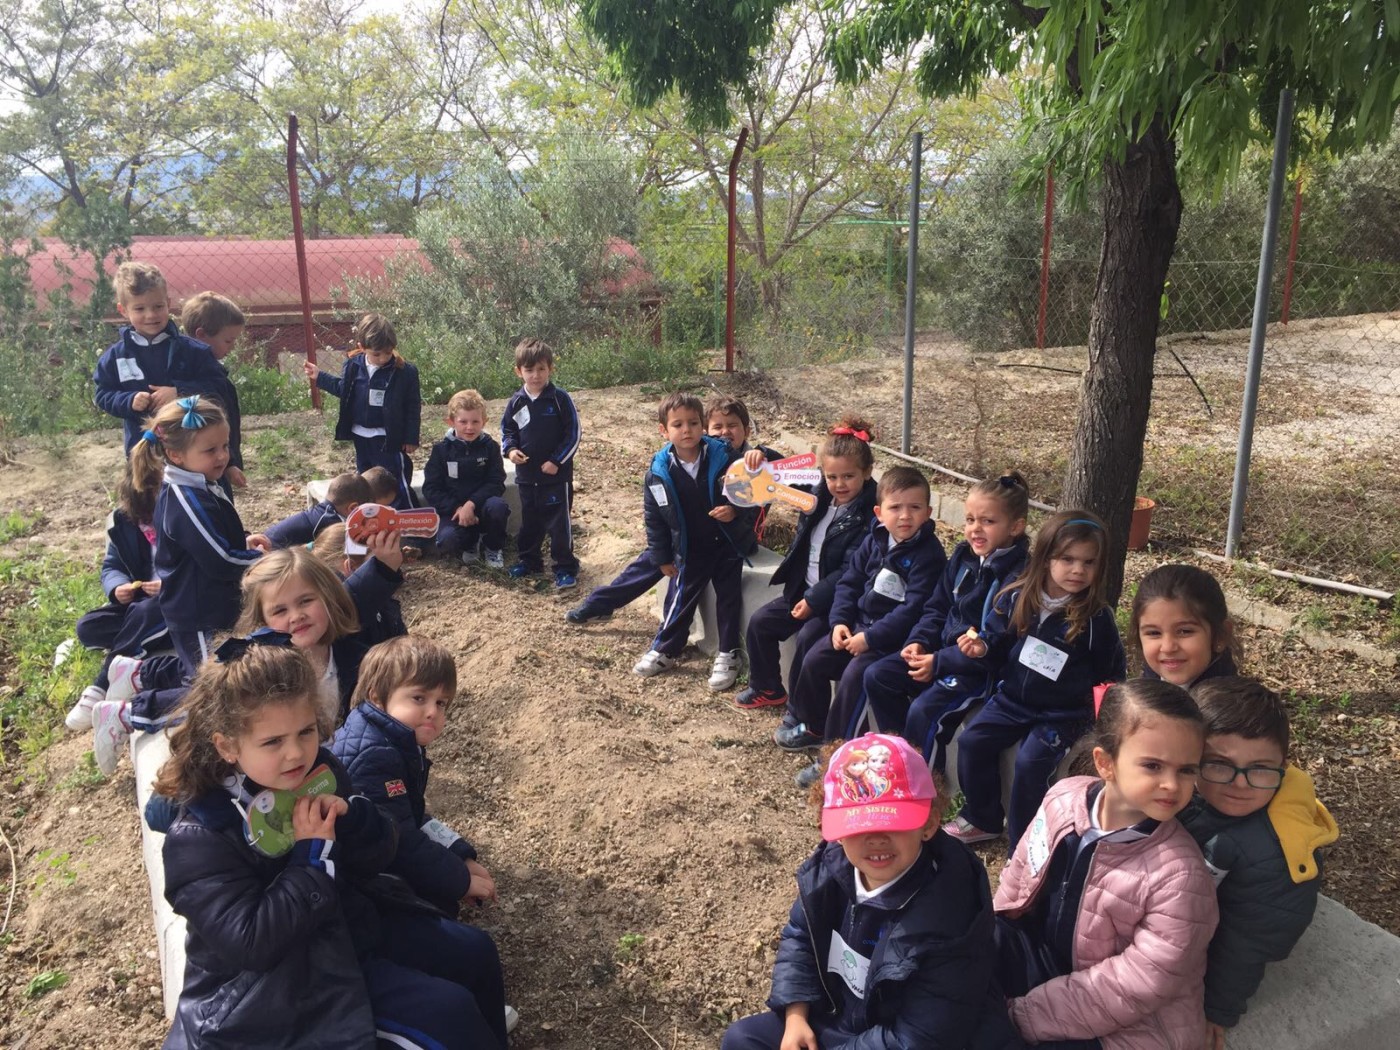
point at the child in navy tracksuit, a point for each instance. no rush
(821, 551)
(216, 321)
(151, 364)
(372, 574)
(890, 941)
(1050, 639)
(540, 435)
(931, 669)
(346, 492)
(695, 537)
(877, 602)
(290, 942)
(380, 403)
(130, 624)
(406, 686)
(465, 482)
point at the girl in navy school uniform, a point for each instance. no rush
(380, 403)
(821, 550)
(931, 669)
(200, 556)
(1181, 624)
(286, 947)
(1050, 639)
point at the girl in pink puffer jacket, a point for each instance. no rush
(1106, 909)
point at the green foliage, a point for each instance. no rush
(43, 599)
(16, 524)
(269, 391)
(629, 945)
(48, 981)
(515, 254)
(54, 867)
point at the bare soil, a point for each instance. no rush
(643, 833)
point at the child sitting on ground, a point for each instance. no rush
(217, 321)
(372, 572)
(1259, 824)
(1181, 624)
(406, 687)
(383, 485)
(821, 551)
(465, 482)
(1104, 910)
(540, 435)
(345, 492)
(890, 940)
(876, 604)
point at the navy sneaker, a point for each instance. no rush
(582, 614)
(564, 581)
(796, 738)
(752, 699)
(520, 570)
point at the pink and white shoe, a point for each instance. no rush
(123, 678)
(968, 833)
(80, 715)
(110, 732)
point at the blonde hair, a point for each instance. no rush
(329, 548)
(275, 569)
(465, 401)
(224, 699)
(147, 459)
(137, 278)
(211, 312)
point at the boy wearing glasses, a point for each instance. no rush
(1259, 825)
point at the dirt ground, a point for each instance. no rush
(643, 833)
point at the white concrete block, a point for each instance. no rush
(316, 492)
(148, 753)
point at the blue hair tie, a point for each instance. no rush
(151, 436)
(1084, 521)
(193, 420)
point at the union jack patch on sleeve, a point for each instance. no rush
(395, 788)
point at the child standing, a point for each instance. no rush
(406, 687)
(821, 551)
(1105, 910)
(284, 948)
(877, 602)
(931, 668)
(345, 492)
(217, 322)
(380, 404)
(540, 435)
(890, 940)
(1182, 626)
(151, 363)
(1051, 638)
(1259, 824)
(464, 481)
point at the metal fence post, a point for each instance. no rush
(910, 287)
(1045, 256)
(1261, 321)
(729, 263)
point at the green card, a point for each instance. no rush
(270, 814)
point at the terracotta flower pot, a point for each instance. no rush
(1141, 528)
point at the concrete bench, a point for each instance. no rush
(316, 492)
(148, 753)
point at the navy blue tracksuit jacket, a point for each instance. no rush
(459, 471)
(401, 413)
(884, 589)
(546, 430)
(303, 526)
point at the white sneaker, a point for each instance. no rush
(80, 717)
(726, 670)
(653, 663)
(495, 560)
(63, 652)
(123, 678)
(109, 735)
(512, 1014)
(470, 557)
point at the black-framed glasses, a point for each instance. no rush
(1265, 778)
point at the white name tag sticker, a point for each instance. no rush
(522, 418)
(1043, 659)
(658, 493)
(890, 584)
(439, 832)
(128, 371)
(848, 964)
(452, 469)
(376, 398)
(1037, 843)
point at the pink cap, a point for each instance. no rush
(875, 783)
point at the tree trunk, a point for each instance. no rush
(1141, 211)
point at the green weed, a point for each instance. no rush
(55, 867)
(629, 945)
(278, 451)
(15, 525)
(85, 774)
(48, 981)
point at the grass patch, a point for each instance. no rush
(40, 601)
(278, 452)
(15, 525)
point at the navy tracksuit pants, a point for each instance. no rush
(434, 983)
(765, 1032)
(719, 565)
(122, 630)
(932, 716)
(1044, 741)
(768, 628)
(810, 700)
(490, 529)
(545, 510)
(372, 452)
(640, 575)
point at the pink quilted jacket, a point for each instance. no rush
(1146, 919)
